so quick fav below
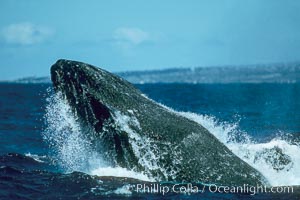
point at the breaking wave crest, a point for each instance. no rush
(274, 159)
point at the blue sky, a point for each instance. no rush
(137, 35)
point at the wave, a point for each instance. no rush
(38, 158)
(73, 151)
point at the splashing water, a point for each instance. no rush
(274, 159)
(64, 135)
(74, 152)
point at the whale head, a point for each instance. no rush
(140, 134)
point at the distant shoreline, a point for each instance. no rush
(272, 73)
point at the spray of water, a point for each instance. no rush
(72, 151)
(71, 148)
(275, 159)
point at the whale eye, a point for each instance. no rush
(100, 111)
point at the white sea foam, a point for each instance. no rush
(36, 157)
(123, 190)
(255, 153)
(118, 172)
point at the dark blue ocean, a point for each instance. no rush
(248, 118)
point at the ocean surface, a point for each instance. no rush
(260, 123)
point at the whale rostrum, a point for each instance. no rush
(134, 132)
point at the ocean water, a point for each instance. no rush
(43, 156)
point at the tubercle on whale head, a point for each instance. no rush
(72, 79)
(66, 73)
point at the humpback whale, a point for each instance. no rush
(134, 132)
